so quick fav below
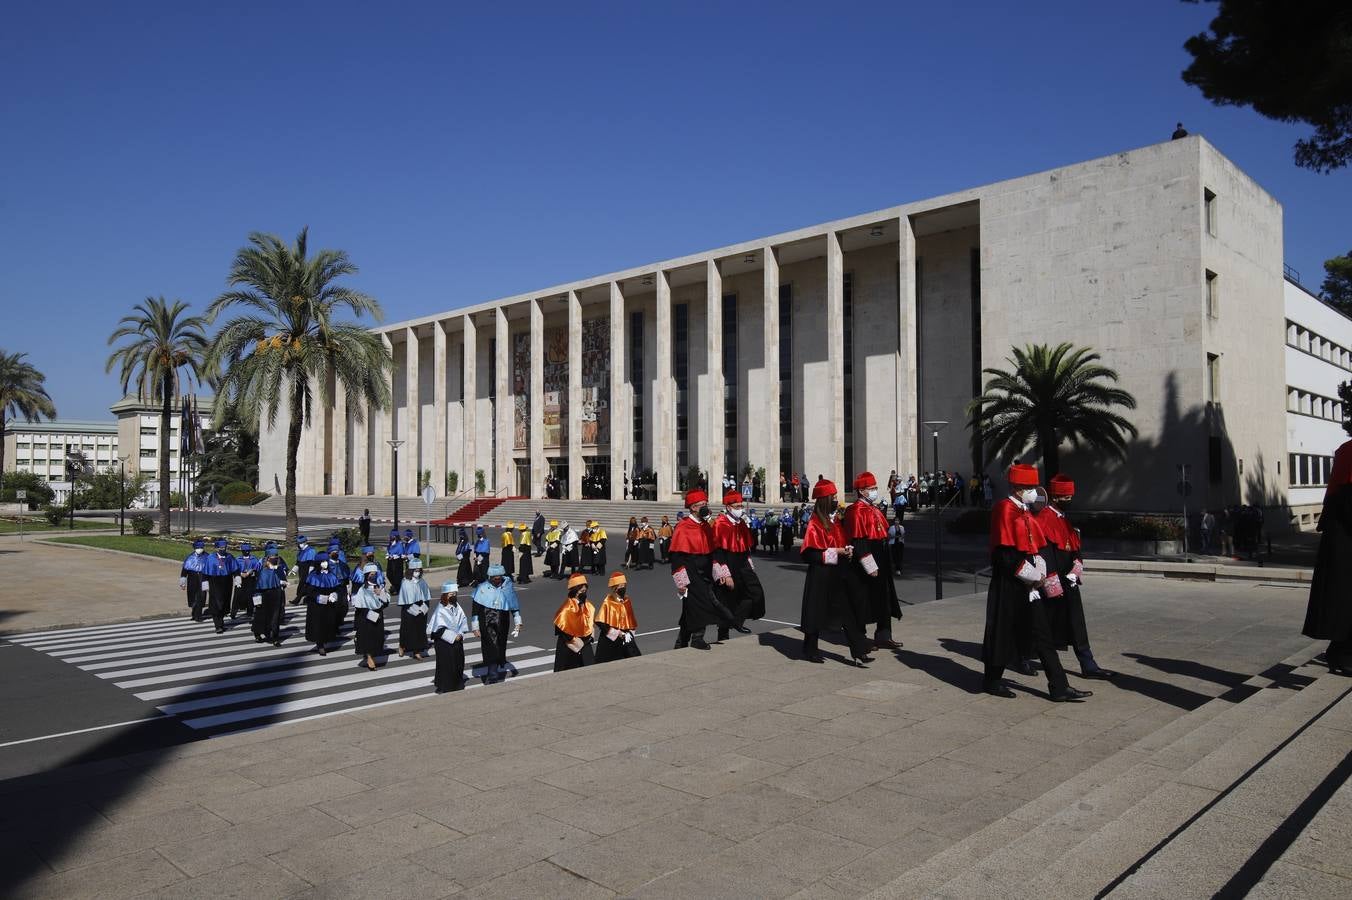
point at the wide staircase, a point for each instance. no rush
(1239, 795)
(468, 509)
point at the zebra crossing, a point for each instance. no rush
(222, 683)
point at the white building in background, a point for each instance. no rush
(138, 430)
(1318, 359)
(823, 350)
(41, 447)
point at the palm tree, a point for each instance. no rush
(21, 394)
(163, 341)
(290, 340)
(1053, 394)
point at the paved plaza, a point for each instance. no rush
(745, 772)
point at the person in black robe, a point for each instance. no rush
(787, 524)
(664, 534)
(320, 593)
(364, 526)
(305, 560)
(1062, 553)
(464, 551)
(482, 555)
(242, 602)
(192, 581)
(271, 582)
(735, 581)
(598, 542)
(692, 547)
(574, 624)
(396, 551)
(1016, 614)
(615, 623)
(870, 564)
(829, 596)
(367, 602)
(631, 542)
(509, 551)
(527, 566)
(447, 627)
(222, 574)
(496, 616)
(537, 534)
(646, 538)
(1328, 613)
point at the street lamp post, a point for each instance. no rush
(935, 427)
(122, 496)
(394, 475)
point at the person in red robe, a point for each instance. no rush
(692, 562)
(866, 530)
(1016, 609)
(735, 581)
(1328, 614)
(829, 597)
(1063, 556)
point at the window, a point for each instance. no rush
(680, 369)
(730, 384)
(1311, 404)
(1308, 470)
(786, 379)
(147, 453)
(1209, 205)
(1213, 378)
(636, 379)
(21, 461)
(149, 432)
(1212, 299)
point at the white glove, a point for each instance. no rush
(1033, 595)
(1072, 579)
(628, 637)
(182, 583)
(516, 632)
(237, 581)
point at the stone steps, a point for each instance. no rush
(1078, 837)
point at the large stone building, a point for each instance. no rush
(823, 350)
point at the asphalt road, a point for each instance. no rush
(55, 712)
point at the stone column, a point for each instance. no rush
(503, 404)
(438, 424)
(380, 451)
(574, 396)
(664, 394)
(712, 436)
(468, 378)
(538, 466)
(361, 440)
(410, 468)
(315, 462)
(835, 359)
(908, 352)
(621, 416)
(338, 424)
(768, 408)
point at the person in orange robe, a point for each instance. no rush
(1015, 607)
(1063, 554)
(735, 580)
(615, 623)
(573, 626)
(692, 561)
(866, 530)
(828, 595)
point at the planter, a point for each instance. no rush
(1119, 547)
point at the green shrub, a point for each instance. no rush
(39, 493)
(480, 483)
(142, 524)
(257, 497)
(177, 500)
(452, 483)
(234, 490)
(55, 515)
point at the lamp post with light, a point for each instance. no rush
(935, 427)
(394, 475)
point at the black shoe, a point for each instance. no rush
(865, 658)
(861, 662)
(741, 629)
(220, 630)
(1103, 674)
(1069, 695)
(1025, 668)
(699, 643)
(258, 639)
(815, 658)
(886, 644)
(999, 689)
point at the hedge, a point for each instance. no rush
(1107, 526)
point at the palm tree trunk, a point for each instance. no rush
(2, 443)
(1051, 454)
(292, 451)
(166, 415)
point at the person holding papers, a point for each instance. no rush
(192, 581)
(320, 591)
(615, 623)
(497, 612)
(269, 597)
(447, 627)
(367, 603)
(414, 598)
(574, 624)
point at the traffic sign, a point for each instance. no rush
(21, 495)
(429, 495)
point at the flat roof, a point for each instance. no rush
(67, 426)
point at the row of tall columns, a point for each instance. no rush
(369, 461)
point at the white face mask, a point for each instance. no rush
(736, 512)
(872, 495)
(833, 515)
(1028, 496)
(324, 564)
(199, 550)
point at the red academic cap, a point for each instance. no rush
(695, 496)
(823, 488)
(1061, 486)
(1022, 475)
(732, 497)
(865, 480)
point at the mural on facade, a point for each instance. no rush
(595, 415)
(521, 390)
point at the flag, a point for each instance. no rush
(184, 431)
(199, 445)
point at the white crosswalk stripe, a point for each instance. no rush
(221, 683)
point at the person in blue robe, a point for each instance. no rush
(481, 554)
(305, 560)
(191, 580)
(496, 615)
(464, 551)
(415, 598)
(322, 586)
(269, 597)
(447, 627)
(242, 604)
(222, 573)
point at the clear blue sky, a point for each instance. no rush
(464, 156)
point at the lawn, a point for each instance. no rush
(177, 548)
(37, 522)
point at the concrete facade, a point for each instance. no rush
(1318, 359)
(883, 321)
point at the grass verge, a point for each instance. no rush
(177, 548)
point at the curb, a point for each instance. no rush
(1201, 571)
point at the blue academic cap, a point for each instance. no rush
(394, 532)
(270, 547)
(199, 544)
(220, 543)
(302, 539)
(450, 587)
(496, 570)
(246, 548)
(408, 532)
(367, 549)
